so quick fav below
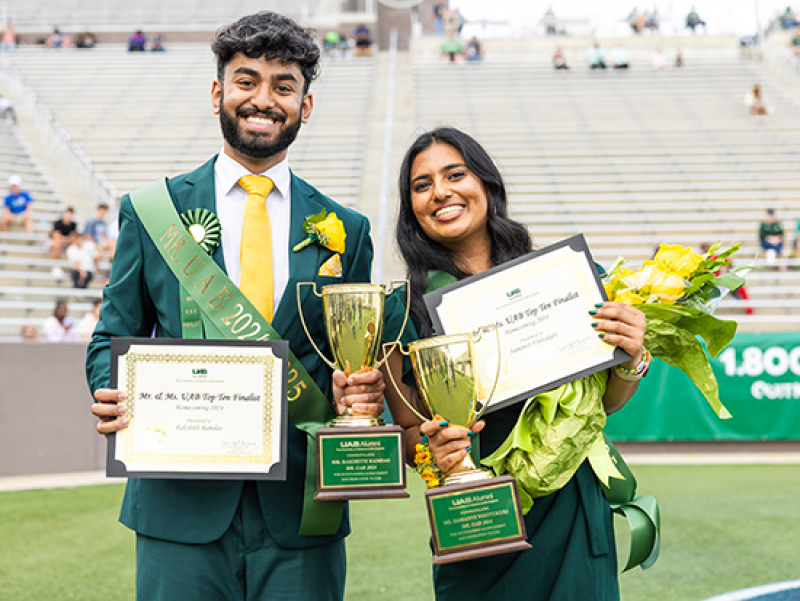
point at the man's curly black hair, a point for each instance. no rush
(271, 36)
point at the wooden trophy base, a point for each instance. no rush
(475, 520)
(360, 463)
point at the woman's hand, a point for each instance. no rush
(622, 325)
(449, 444)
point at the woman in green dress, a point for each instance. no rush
(453, 219)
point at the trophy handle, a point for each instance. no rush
(313, 285)
(391, 290)
(391, 346)
(477, 338)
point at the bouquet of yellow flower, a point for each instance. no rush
(678, 291)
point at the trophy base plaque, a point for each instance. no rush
(360, 463)
(475, 520)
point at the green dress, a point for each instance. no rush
(572, 556)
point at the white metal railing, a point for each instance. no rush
(56, 139)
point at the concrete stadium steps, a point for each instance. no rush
(126, 16)
(632, 158)
(151, 116)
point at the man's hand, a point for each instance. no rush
(108, 410)
(362, 393)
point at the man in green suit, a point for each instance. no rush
(215, 539)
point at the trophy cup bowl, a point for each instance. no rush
(354, 327)
(450, 386)
(358, 456)
(473, 514)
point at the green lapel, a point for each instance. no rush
(304, 264)
(196, 191)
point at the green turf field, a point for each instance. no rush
(724, 528)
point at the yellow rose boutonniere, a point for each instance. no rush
(325, 229)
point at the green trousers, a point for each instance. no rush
(245, 564)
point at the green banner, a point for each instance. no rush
(759, 383)
(361, 460)
(485, 514)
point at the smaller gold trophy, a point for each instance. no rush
(473, 514)
(358, 457)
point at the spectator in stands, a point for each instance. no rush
(693, 21)
(82, 256)
(653, 22)
(363, 40)
(8, 41)
(788, 20)
(60, 237)
(794, 42)
(636, 21)
(755, 101)
(619, 57)
(29, 333)
(157, 43)
(60, 327)
(7, 110)
(137, 42)
(560, 59)
(770, 236)
(331, 43)
(474, 52)
(659, 60)
(550, 22)
(98, 229)
(453, 21)
(58, 40)
(88, 322)
(18, 206)
(85, 40)
(438, 17)
(452, 49)
(595, 56)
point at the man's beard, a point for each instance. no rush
(253, 145)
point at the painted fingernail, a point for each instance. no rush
(595, 324)
(444, 423)
(122, 396)
(424, 439)
(469, 448)
(121, 409)
(602, 335)
(592, 312)
(598, 305)
(125, 421)
(471, 433)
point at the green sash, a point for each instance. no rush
(227, 314)
(614, 475)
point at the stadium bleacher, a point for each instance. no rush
(630, 158)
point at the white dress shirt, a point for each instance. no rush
(231, 198)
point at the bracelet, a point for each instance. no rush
(639, 372)
(426, 464)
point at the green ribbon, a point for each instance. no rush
(517, 454)
(227, 314)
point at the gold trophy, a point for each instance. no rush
(473, 514)
(358, 457)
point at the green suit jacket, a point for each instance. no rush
(142, 297)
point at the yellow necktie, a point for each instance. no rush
(256, 254)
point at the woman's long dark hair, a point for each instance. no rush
(509, 239)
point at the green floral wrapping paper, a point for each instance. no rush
(552, 437)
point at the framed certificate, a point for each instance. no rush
(200, 409)
(540, 303)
